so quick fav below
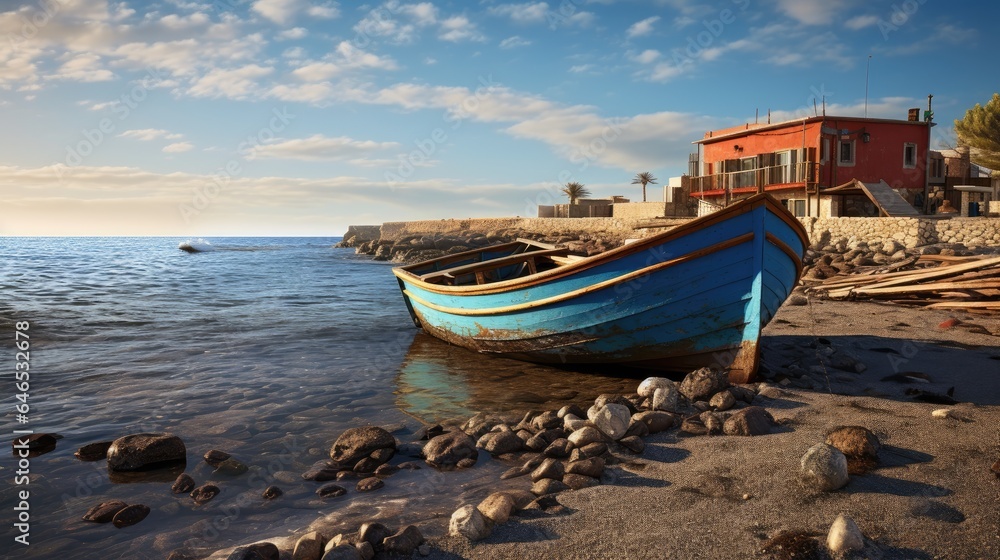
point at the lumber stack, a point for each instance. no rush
(934, 281)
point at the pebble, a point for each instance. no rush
(612, 420)
(550, 468)
(657, 421)
(369, 484)
(213, 457)
(824, 467)
(579, 481)
(469, 522)
(271, 492)
(404, 541)
(204, 493)
(230, 467)
(309, 546)
(633, 444)
(130, 515)
(374, 533)
(585, 436)
(137, 451)
(943, 413)
(183, 485)
(342, 552)
(331, 491)
(105, 511)
(256, 551)
(93, 451)
(749, 421)
(723, 400)
(497, 507)
(845, 536)
(548, 486)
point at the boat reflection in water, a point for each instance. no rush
(439, 382)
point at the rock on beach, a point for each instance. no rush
(143, 451)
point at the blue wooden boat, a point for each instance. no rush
(697, 295)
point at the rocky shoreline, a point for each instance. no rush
(416, 248)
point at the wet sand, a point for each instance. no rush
(720, 497)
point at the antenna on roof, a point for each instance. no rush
(768, 115)
(815, 110)
(824, 105)
(866, 84)
(756, 115)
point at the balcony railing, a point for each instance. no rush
(805, 172)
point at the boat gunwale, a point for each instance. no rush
(747, 205)
(565, 296)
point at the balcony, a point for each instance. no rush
(775, 177)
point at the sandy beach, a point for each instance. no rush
(932, 496)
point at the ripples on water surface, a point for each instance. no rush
(267, 348)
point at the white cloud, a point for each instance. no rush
(148, 134)
(861, 22)
(178, 147)
(293, 33)
(647, 56)
(459, 28)
(522, 13)
(281, 12)
(815, 12)
(232, 83)
(581, 68)
(640, 28)
(320, 148)
(513, 42)
(83, 68)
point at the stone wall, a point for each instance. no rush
(362, 233)
(646, 210)
(910, 232)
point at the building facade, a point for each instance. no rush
(798, 161)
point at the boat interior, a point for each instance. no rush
(496, 263)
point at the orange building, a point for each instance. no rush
(818, 166)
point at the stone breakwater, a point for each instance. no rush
(427, 239)
(406, 242)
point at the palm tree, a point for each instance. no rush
(575, 191)
(643, 179)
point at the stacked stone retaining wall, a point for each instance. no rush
(909, 232)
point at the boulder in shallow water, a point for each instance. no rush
(144, 451)
(453, 449)
(204, 493)
(93, 451)
(130, 515)
(105, 511)
(356, 444)
(183, 485)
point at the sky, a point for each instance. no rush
(301, 117)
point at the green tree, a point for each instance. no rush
(575, 191)
(643, 179)
(980, 131)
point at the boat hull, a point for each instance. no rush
(696, 296)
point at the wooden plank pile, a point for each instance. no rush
(934, 281)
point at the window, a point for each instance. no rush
(824, 150)
(845, 153)
(937, 168)
(796, 206)
(909, 156)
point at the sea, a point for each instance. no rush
(265, 348)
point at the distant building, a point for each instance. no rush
(820, 165)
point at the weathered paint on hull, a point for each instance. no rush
(697, 297)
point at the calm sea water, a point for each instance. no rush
(267, 348)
